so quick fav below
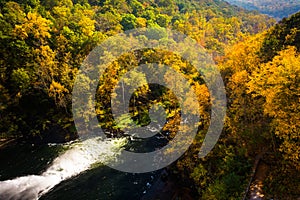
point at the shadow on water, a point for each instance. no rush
(20, 159)
(103, 183)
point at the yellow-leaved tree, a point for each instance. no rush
(278, 81)
(245, 122)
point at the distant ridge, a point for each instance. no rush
(275, 8)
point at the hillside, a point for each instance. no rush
(263, 74)
(285, 33)
(43, 44)
(64, 32)
(275, 8)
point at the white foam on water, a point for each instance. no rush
(80, 157)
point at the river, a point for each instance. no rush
(68, 171)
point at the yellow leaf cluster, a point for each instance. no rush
(58, 91)
(33, 24)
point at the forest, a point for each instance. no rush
(44, 43)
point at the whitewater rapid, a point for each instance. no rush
(80, 157)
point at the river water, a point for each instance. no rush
(68, 171)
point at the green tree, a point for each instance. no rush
(128, 22)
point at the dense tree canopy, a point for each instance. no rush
(43, 44)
